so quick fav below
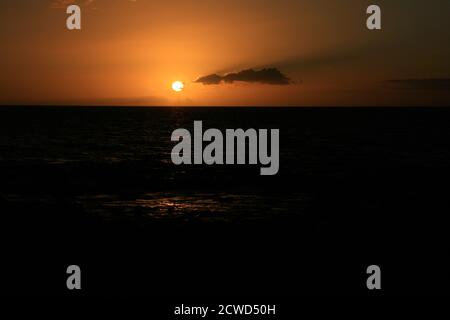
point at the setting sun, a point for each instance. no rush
(178, 86)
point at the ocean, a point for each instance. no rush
(97, 185)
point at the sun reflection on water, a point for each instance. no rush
(202, 206)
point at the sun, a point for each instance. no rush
(178, 86)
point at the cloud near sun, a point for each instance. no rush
(271, 76)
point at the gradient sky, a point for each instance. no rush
(129, 52)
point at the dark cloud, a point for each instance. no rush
(210, 79)
(442, 84)
(267, 76)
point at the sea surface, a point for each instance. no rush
(94, 176)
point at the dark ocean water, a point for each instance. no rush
(354, 183)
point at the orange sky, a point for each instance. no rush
(129, 52)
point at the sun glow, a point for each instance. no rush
(178, 86)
